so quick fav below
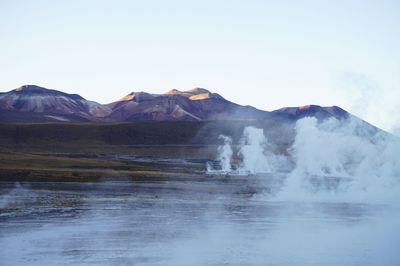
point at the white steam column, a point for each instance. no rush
(225, 154)
(252, 151)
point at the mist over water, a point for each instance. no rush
(331, 199)
(212, 223)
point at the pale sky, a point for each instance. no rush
(267, 54)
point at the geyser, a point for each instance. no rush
(344, 149)
(332, 155)
(225, 153)
(251, 153)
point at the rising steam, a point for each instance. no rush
(251, 154)
(225, 153)
(252, 150)
(343, 156)
(335, 155)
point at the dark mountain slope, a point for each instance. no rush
(43, 104)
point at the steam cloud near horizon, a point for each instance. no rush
(320, 152)
(371, 100)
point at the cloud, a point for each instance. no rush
(371, 100)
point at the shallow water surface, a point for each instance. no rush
(189, 222)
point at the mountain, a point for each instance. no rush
(31, 103)
(321, 113)
(193, 105)
(42, 104)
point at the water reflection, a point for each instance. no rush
(204, 222)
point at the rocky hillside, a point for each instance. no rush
(32, 103)
(36, 102)
(193, 105)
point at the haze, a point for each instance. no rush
(267, 54)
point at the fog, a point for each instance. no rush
(210, 223)
(330, 199)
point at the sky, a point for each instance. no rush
(268, 54)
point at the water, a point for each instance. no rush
(210, 221)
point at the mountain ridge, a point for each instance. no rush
(197, 104)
